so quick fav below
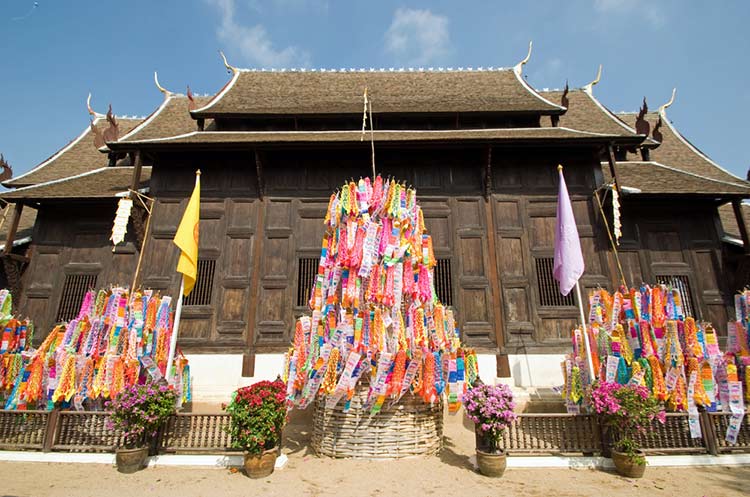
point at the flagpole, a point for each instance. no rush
(589, 361)
(175, 330)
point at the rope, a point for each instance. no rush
(611, 241)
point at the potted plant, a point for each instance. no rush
(627, 411)
(490, 407)
(137, 412)
(257, 417)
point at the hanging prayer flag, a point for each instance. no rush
(568, 264)
(122, 216)
(187, 236)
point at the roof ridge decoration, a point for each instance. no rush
(656, 133)
(642, 126)
(589, 88)
(663, 108)
(191, 100)
(518, 68)
(518, 72)
(686, 142)
(92, 112)
(564, 99)
(112, 133)
(159, 87)
(230, 68)
(7, 170)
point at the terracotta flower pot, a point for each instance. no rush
(131, 460)
(626, 467)
(491, 464)
(260, 465)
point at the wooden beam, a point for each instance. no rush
(259, 173)
(137, 166)
(740, 217)
(248, 359)
(17, 209)
(612, 161)
(488, 173)
(503, 367)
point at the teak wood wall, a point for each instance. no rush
(261, 215)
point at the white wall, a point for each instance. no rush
(216, 376)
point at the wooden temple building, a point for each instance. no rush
(480, 146)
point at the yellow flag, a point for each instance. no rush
(186, 238)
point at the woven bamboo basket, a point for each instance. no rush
(409, 428)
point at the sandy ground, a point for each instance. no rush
(450, 473)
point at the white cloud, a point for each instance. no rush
(650, 10)
(253, 42)
(417, 36)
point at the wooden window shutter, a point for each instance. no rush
(202, 293)
(74, 290)
(549, 288)
(681, 283)
(306, 273)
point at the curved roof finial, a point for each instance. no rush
(589, 87)
(92, 112)
(519, 67)
(226, 64)
(671, 101)
(166, 92)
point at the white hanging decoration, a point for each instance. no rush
(120, 225)
(616, 215)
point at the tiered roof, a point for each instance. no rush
(104, 182)
(24, 230)
(270, 93)
(171, 118)
(546, 135)
(78, 156)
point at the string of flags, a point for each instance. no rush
(644, 336)
(116, 340)
(376, 317)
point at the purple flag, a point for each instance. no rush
(568, 265)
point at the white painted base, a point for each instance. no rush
(216, 376)
(216, 461)
(536, 371)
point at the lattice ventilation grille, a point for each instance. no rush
(74, 290)
(308, 269)
(681, 283)
(549, 289)
(202, 293)
(443, 281)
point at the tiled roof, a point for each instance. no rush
(171, 118)
(675, 151)
(655, 178)
(586, 113)
(25, 224)
(104, 182)
(316, 93)
(79, 156)
(242, 137)
(729, 221)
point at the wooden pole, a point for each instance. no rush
(740, 216)
(611, 240)
(143, 243)
(589, 361)
(13, 229)
(175, 331)
(137, 166)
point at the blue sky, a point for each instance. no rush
(54, 54)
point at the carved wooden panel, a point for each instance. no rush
(274, 319)
(475, 311)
